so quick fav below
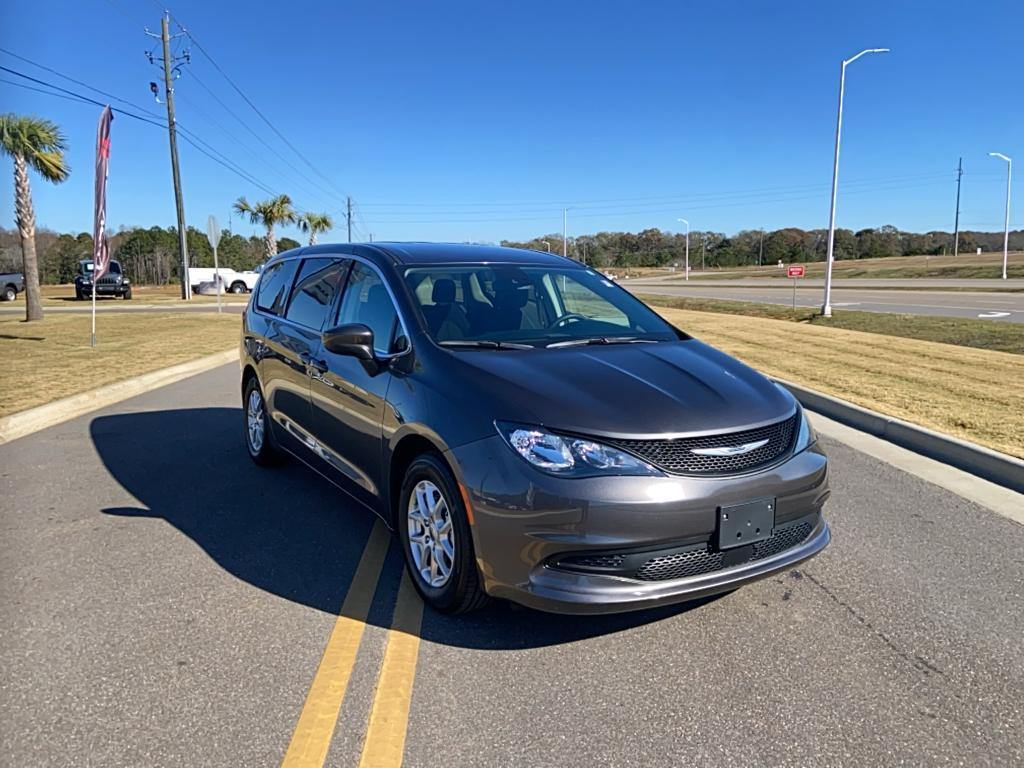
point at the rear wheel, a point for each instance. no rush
(238, 287)
(258, 438)
(436, 540)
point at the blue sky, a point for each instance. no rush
(481, 120)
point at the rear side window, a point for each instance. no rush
(274, 286)
(314, 291)
(366, 300)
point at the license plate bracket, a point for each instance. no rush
(742, 524)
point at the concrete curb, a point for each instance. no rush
(996, 467)
(34, 419)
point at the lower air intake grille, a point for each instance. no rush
(679, 565)
(677, 455)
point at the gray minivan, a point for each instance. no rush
(531, 430)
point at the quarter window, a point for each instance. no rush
(314, 291)
(366, 300)
(275, 284)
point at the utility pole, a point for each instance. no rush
(165, 38)
(348, 215)
(956, 224)
(760, 251)
(703, 242)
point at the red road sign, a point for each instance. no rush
(795, 270)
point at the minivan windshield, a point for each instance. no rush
(540, 306)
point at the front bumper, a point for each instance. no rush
(526, 522)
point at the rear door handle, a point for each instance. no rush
(310, 362)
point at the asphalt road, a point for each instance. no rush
(164, 602)
(1004, 307)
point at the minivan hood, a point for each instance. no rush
(629, 390)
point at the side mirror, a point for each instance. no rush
(354, 340)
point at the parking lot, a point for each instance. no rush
(165, 602)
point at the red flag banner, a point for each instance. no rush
(101, 246)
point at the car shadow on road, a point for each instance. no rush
(288, 531)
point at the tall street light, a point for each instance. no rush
(565, 237)
(1006, 221)
(826, 307)
(687, 246)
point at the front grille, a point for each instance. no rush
(694, 562)
(676, 455)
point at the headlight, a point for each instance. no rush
(806, 437)
(568, 456)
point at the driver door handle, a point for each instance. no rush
(319, 366)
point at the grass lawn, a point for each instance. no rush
(964, 332)
(975, 394)
(52, 359)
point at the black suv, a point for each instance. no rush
(114, 283)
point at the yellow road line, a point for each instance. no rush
(313, 732)
(389, 718)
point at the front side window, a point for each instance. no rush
(536, 305)
(275, 284)
(366, 300)
(315, 288)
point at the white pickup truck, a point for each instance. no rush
(233, 282)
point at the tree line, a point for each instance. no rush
(656, 248)
(148, 256)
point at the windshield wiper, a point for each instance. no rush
(485, 344)
(600, 340)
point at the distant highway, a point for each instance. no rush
(1005, 307)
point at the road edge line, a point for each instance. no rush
(23, 423)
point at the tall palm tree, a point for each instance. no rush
(37, 143)
(314, 224)
(269, 213)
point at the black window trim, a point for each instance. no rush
(351, 257)
(291, 293)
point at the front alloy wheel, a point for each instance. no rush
(431, 540)
(436, 539)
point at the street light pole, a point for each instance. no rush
(565, 238)
(687, 246)
(826, 307)
(1006, 221)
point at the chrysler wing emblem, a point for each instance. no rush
(730, 450)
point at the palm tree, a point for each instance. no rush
(35, 142)
(269, 213)
(315, 223)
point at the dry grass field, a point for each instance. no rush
(52, 359)
(964, 266)
(64, 295)
(970, 393)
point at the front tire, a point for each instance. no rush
(238, 287)
(9, 294)
(258, 438)
(436, 540)
(127, 294)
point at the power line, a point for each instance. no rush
(187, 135)
(79, 82)
(264, 142)
(256, 109)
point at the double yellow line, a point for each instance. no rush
(385, 734)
